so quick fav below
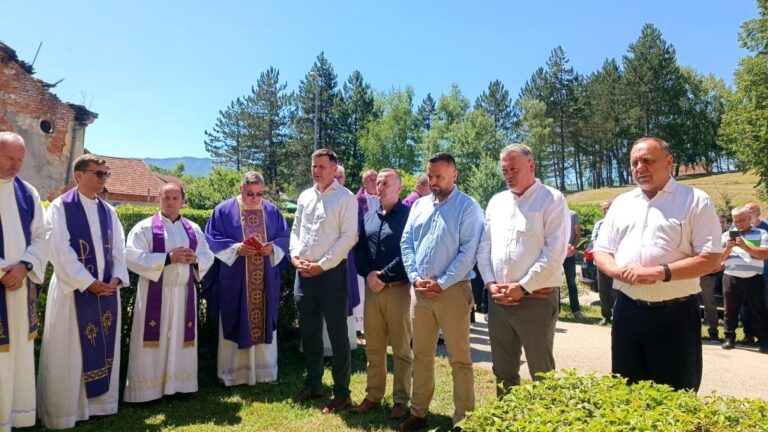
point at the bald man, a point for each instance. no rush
(23, 257)
(656, 242)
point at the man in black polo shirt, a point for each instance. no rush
(387, 297)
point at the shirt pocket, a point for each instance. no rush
(668, 233)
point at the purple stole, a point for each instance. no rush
(25, 202)
(96, 315)
(253, 224)
(155, 290)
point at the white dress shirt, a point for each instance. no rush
(677, 223)
(525, 238)
(325, 227)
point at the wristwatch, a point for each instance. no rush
(28, 265)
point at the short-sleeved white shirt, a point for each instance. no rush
(677, 223)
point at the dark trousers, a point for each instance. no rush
(662, 344)
(749, 292)
(569, 267)
(707, 299)
(325, 296)
(607, 294)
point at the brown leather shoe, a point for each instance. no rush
(398, 411)
(365, 406)
(337, 404)
(412, 423)
(306, 396)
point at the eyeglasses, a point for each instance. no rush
(253, 194)
(99, 174)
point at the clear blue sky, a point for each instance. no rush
(158, 72)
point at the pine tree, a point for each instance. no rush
(496, 102)
(228, 143)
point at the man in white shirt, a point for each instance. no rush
(169, 253)
(80, 352)
(655, 243)
(324, 230)
(24, 248)
(520, 255)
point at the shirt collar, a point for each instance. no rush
(528, 192)
(165, 219)
(6, 181)
(453, 193)
(87, 200)
(668, 188)
(333, 187)
(396, 208)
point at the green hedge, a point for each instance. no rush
(588, 215)
(129, 216)
(567, 401)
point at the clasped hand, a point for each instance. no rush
(306, 268)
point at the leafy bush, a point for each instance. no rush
(588, 215)
(567, 401)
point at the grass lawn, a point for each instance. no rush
(268, 407)
(740, 187)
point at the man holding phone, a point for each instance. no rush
(249, 237)
(745, 249)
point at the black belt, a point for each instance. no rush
(661, 303)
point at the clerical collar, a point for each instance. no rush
(246, 206)
(6, 181)
(178, 218)
(88, 200)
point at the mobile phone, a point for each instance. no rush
(734, 234)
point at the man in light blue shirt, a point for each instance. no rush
(439, 249)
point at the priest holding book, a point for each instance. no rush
(249, 237)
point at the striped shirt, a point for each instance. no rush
(740, 263)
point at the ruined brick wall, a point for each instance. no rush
(25, 102)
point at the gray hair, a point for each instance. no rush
(663, 145)
(9, 137)
(252, 177)
(739, 210)
(521, 149)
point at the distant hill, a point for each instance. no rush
(199, 167)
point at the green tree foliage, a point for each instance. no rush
(266, 118)
(207, 192)
(497, 103)
(744, 127)
(227, 143)
(483, 180)
(390, 140)
(474, 138)
(426, 112)
(537, 131)
(352, 110)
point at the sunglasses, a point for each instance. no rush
(253, 194)
(99, 174)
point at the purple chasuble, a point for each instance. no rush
(25, 202)
(96, 315)
(226, 288)
(411, 198)
(155, 290)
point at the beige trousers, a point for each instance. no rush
(387, 316)
(448, 311)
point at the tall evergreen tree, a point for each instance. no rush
(497, 103)
(229, 142)
(267, 120)
(426, 112)
(352, 110)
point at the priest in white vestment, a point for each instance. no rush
(80, 352)
(169, 253)
(23, 257)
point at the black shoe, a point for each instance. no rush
(713, 336)
(748, 340)
(728, 344)
(763, 349)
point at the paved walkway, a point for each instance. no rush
(742, 372)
